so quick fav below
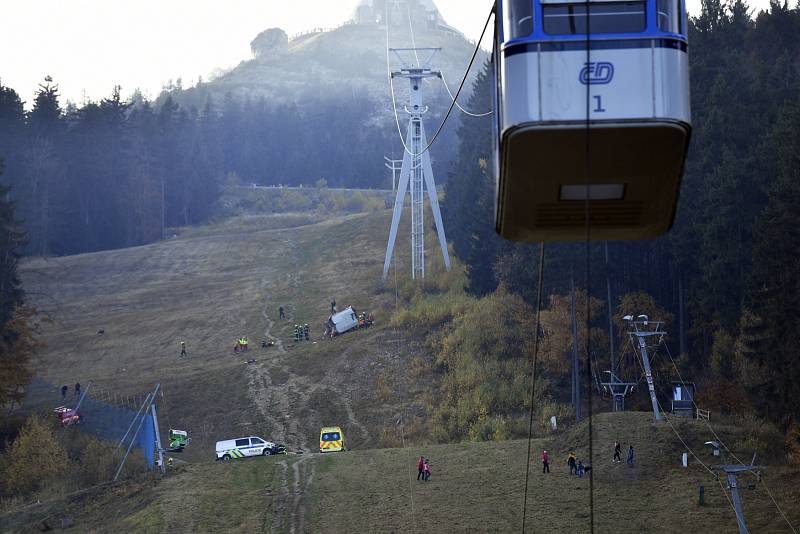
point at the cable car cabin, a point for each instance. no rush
(632, 85)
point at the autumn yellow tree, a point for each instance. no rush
(35, 459)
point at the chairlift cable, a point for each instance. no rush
(468, 113)
(680, 377)
(719, 440)
(411, 28)
(452, 105)
(533, 382)
(588, 249)
(402, 421)
(763, 483)
(706, 467)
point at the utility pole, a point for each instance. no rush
(416, 171)
(642, 329)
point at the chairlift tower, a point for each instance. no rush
(642, 329)
(416, 171)
(618, 389)
(731, 471)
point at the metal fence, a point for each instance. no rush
(104, 415)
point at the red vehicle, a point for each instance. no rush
(67, 416)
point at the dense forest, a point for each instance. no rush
(117, 173)
(17, 324)
(728, 271)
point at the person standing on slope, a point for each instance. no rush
(630, 456)
(571, 463)
(545, 462)
(421, 468)
(183, 349)
(333, 306)
(617, 453)
(281, 314)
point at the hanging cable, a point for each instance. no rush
(533, 382)
(706, 467)
(452, 105)
(719, 440)
(411, 28)
(453, 98)
(778, 507)
(588, 249)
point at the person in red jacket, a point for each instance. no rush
(421, 467)
(545, 462)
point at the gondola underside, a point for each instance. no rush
(634, 174)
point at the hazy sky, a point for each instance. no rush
(91, 45)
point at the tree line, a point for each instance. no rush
(120, 172)
(728, 270)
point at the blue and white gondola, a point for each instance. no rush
(632, 85)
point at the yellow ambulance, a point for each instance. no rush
(331, 439)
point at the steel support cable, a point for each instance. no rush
(411, 28)
(778, 507)
(706, 467)
(402, 420)
(588, 267)
(708, 424)
(453, 98)
(533, 383)
(719, 440)
(452, 105)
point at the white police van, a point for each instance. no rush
(250, 446)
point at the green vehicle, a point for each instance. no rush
(178, 439)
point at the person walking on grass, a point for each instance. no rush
(281, 314)
(629, 461)
(617, 453)
(333, 306)
(580, 469)
(545, 462)
(64, 390)
(571, 462)
(421, 467)
(77, 389)
(183, 349)
(426, 471)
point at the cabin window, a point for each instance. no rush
(256, 441)
(616, 17)
(517, 18)
(669, 15)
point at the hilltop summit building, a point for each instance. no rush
(423, 13)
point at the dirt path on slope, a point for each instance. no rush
(289, 509)
(278, 399)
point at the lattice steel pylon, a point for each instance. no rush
(416, 172)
